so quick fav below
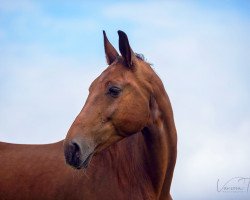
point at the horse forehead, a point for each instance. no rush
(113, 73)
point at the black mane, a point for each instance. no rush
(140, 56)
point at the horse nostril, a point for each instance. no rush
(73, 154)
(75, 147)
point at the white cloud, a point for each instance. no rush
(17, 6)
(42, 94)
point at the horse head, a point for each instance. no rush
(118, 105)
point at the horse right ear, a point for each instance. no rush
(125, 49)
(110, 52)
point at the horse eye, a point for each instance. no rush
(114, 91)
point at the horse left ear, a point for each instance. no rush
(110, 52)
(125, 49)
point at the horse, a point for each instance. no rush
(121, 146)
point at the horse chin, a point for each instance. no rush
(86, 162)
(104, 145)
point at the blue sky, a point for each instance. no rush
(51, 52)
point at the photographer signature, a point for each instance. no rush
(236, 184)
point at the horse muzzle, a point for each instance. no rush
(77, 155)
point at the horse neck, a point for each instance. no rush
(161, 141)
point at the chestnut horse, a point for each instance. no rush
(123, 142)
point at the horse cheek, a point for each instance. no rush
(131, 120)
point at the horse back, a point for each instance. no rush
(25, 168)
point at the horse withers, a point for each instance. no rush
(121, 146)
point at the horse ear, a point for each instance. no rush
(110, 52)
(125, 49)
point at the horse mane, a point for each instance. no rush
(140, 56)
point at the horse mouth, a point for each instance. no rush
(86, 162)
